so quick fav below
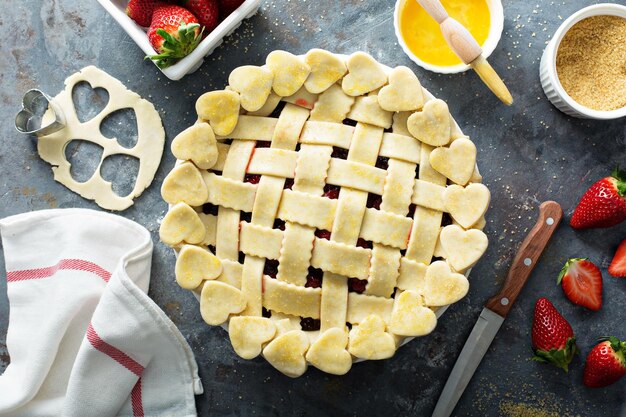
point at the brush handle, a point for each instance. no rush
(460, 40)
(435, 9)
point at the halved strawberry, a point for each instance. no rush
(582, 283)
(618, 264)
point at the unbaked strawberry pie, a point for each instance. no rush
(323, 207)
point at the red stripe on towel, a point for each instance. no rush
(63, 264)
(113, 352)
(135, 398)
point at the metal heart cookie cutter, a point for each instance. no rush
(33, 101)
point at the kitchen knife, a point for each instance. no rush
(467, 49)
(498, 307)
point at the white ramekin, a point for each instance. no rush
(495, 32)
(191, 62)
(547, 69)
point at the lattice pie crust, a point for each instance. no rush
(323, 207)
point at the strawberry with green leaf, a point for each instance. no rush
(553, 339)
(173, 33)
(581, 280)
(606, 363)
(604, 203)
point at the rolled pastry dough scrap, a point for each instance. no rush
(147, 150)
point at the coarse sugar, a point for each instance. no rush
(591, 62)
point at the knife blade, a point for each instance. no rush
(497, 308)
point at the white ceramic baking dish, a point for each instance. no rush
(191, 62)
(547, 69)
(495, 32)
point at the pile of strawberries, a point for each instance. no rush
(553, 340)
(175, 28)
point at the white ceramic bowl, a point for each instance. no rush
(495, 32)
(191, 62)
(547, 69)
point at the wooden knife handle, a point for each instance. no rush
(532, 247)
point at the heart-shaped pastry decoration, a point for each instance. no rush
(404, 92)
(195, 265)
(218, 301)
(326, 70)
(181, 224)
(369, 340)
(466, 205)
(197, 144)
(364, 75)
(463, 247)
(431, 125)
(286, 353)
(442, 286)
(456, 162)
(290, 72)
(184, 183)
(249, 334)
(329, 353)
(220, 109)
(409, 317)
(253, 84)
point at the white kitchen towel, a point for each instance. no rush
(84, 338)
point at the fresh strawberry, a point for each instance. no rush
(229, 6)
(582, 283)
(207, 12)
(552, 336)
(618, 264)
(141, 11)
(604, 203)
(605, 363)
(173, 33)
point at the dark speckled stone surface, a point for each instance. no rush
(528, 153)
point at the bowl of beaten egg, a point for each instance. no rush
(421, 39)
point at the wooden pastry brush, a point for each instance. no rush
(465, 47)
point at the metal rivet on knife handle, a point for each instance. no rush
(550, 214)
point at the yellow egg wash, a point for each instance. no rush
(422, 35)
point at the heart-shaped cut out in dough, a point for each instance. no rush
(466, 205)
(326, 70)
(184, 183)
(364, 75)
(289, 71)
(409, 317)
(369, 340)
(463, 247)
(181, 224)
(194, 265)
(197, 144)
(442, 286)
(329, 353)
(253, 84)
(404, 92)
(218, 301)
(456, 162)
(248, 334)
(431, 125)
(286, 353)
(220, 109)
